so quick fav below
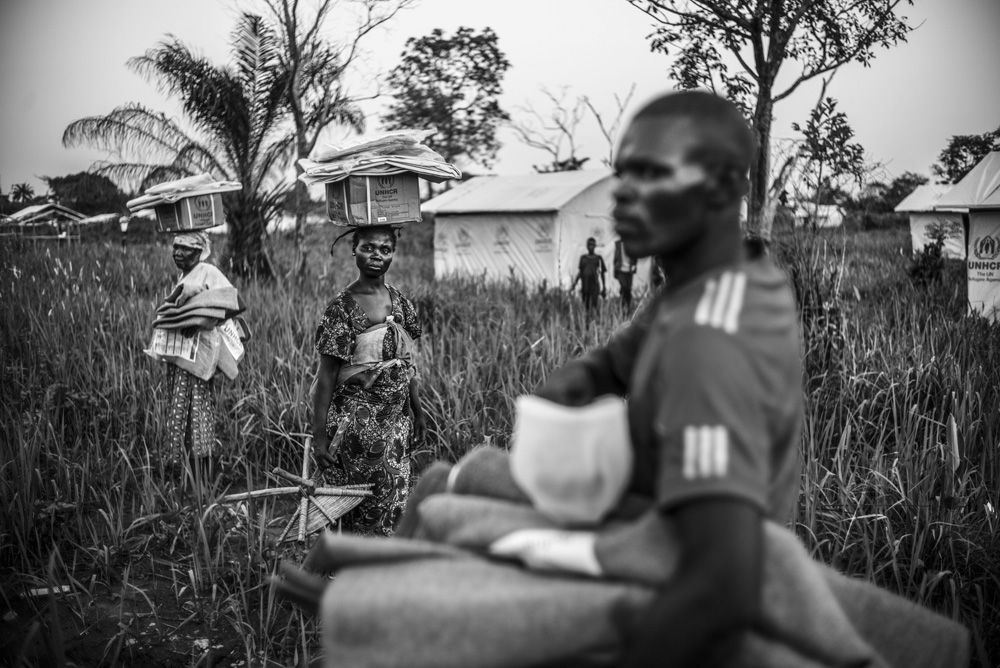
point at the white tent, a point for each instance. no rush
(812, 215)
(532, 226)
(979, 194)
(979, 189)
(924, 218)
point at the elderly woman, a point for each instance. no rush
(191, 423)
(367, 400)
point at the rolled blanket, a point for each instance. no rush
(642, 551)
(798, 610)
(451, 612)
(485, 471)
(451, 609)
(169, 321)
(222, 298)
(466, 612)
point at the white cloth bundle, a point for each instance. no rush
(574, 463)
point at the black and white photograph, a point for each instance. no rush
(522, 334)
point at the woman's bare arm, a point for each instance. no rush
(326, 382)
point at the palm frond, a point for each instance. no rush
(196, 159)
(130, 176)
(211, 95)
(278, 154)
(163, 173)
(128, 130)
(255, 56)
(238, 113)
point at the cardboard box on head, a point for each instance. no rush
(374, 200)
(191, 213)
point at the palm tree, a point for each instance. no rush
(22, 192)
(237, 114)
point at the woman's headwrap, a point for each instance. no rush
(197, 240)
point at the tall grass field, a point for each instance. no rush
(110, 557)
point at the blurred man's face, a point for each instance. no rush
(591, 245)
(660, 201)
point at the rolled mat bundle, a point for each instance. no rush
(440, 599)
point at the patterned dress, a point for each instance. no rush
(375, 421)
(191, 417)
(191, 413)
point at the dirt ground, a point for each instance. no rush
(144, 614)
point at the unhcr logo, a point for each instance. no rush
(386, 186)
(986, 248)
(203, 203)
(503, 236)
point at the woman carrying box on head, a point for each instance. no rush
(187, 336)
(366, 402)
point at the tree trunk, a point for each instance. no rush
(777, 187)
(246, 255)
(302, 202)
(817, 196)
(758, 223)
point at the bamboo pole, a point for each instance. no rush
(304, 503)
(246, 496)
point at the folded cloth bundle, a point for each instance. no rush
(445, 609)
(374, 155)
(188, 321)
(171, 191)
(573, 462)
(204, 309)
(444, 605)
(222, 297)
(381, 143)
(170, 321)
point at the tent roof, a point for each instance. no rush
(979, 189)
(523, 192)
(102, 218)
(30, 213)
(923, 198)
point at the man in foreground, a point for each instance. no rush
(712, 373)
(712, 370)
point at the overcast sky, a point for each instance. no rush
(65, 59)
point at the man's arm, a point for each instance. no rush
(602, 370)
(579, 274)
(698, 618)
(419, 420)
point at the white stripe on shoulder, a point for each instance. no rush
(731, 320)
(722, 301)
(704, 308)
(706, 452)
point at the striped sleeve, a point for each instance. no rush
(710, 425)
(722, 302)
